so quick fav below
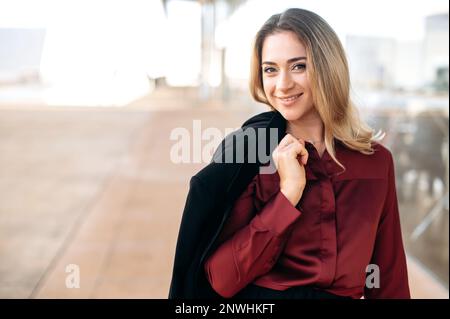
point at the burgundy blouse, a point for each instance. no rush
(345, 221)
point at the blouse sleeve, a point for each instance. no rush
(388, 255)
(250, 248)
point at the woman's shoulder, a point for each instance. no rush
(360, 165)
(381, 151)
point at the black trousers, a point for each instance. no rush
(299, 292)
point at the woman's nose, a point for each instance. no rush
(285, 81)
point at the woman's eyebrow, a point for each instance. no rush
(288, 61)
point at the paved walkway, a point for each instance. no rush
(95, 187)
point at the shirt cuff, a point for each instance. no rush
(279, 214)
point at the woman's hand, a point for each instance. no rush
(291, 171)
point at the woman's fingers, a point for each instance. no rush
(293, 147)
(284, 143)
(304, 155)
(300, 151)
(302, 141)
(288, 139)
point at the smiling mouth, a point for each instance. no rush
(290, 98)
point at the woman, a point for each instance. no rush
(326, 223)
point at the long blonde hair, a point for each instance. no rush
(329, 76)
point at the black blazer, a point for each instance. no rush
(212, 193)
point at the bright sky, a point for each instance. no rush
(397, 18)
(401, 19)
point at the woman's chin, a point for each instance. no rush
(290, 114)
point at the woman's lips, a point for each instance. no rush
(290, 100)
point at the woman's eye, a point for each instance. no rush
(269, 70)
(300, 66)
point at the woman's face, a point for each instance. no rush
(285, 79)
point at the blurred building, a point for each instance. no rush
(370, 59)
(388, 63)
(20, 55)
(436, 52)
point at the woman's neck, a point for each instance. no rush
(310, 129)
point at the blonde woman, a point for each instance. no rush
(325, 224)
